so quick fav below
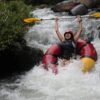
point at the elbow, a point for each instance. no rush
(57, 31)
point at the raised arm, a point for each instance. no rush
(80, 29)
(61, 38)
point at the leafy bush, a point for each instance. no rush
(12, 26)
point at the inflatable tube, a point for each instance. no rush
(88, 64)
(87, 52)
(79, 10)
(85, 49)
(50, 58)
(88, 55)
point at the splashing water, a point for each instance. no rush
(69, 84)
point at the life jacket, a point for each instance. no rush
(68, 48)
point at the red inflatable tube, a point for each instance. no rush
(86, 49)
(83, 48)
(50, 58)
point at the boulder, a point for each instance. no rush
(79, 10)
(98, 7)
(64, 6)
(19, 58)
(90, 3)
(39, 2)
(42, 6)
(98, 28)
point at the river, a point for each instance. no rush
(70, 83)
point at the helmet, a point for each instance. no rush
(69, 32)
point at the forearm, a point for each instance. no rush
(79, 31)
(80, 27)
(57, 31)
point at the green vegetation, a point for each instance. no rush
(12, 27)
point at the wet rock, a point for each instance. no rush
(90, 3)
(34, 2)
(79, 10)
(97, 8)
(19, 58)
(64, 6)
(42, 6)
(98, 28)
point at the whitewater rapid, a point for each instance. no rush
(70, 83)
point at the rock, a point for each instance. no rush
(90, 3)
(79, 10)
(38, 2)
(98, 28)
(19, 58)
(64, 6)
(42, 6)
(98, 7)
